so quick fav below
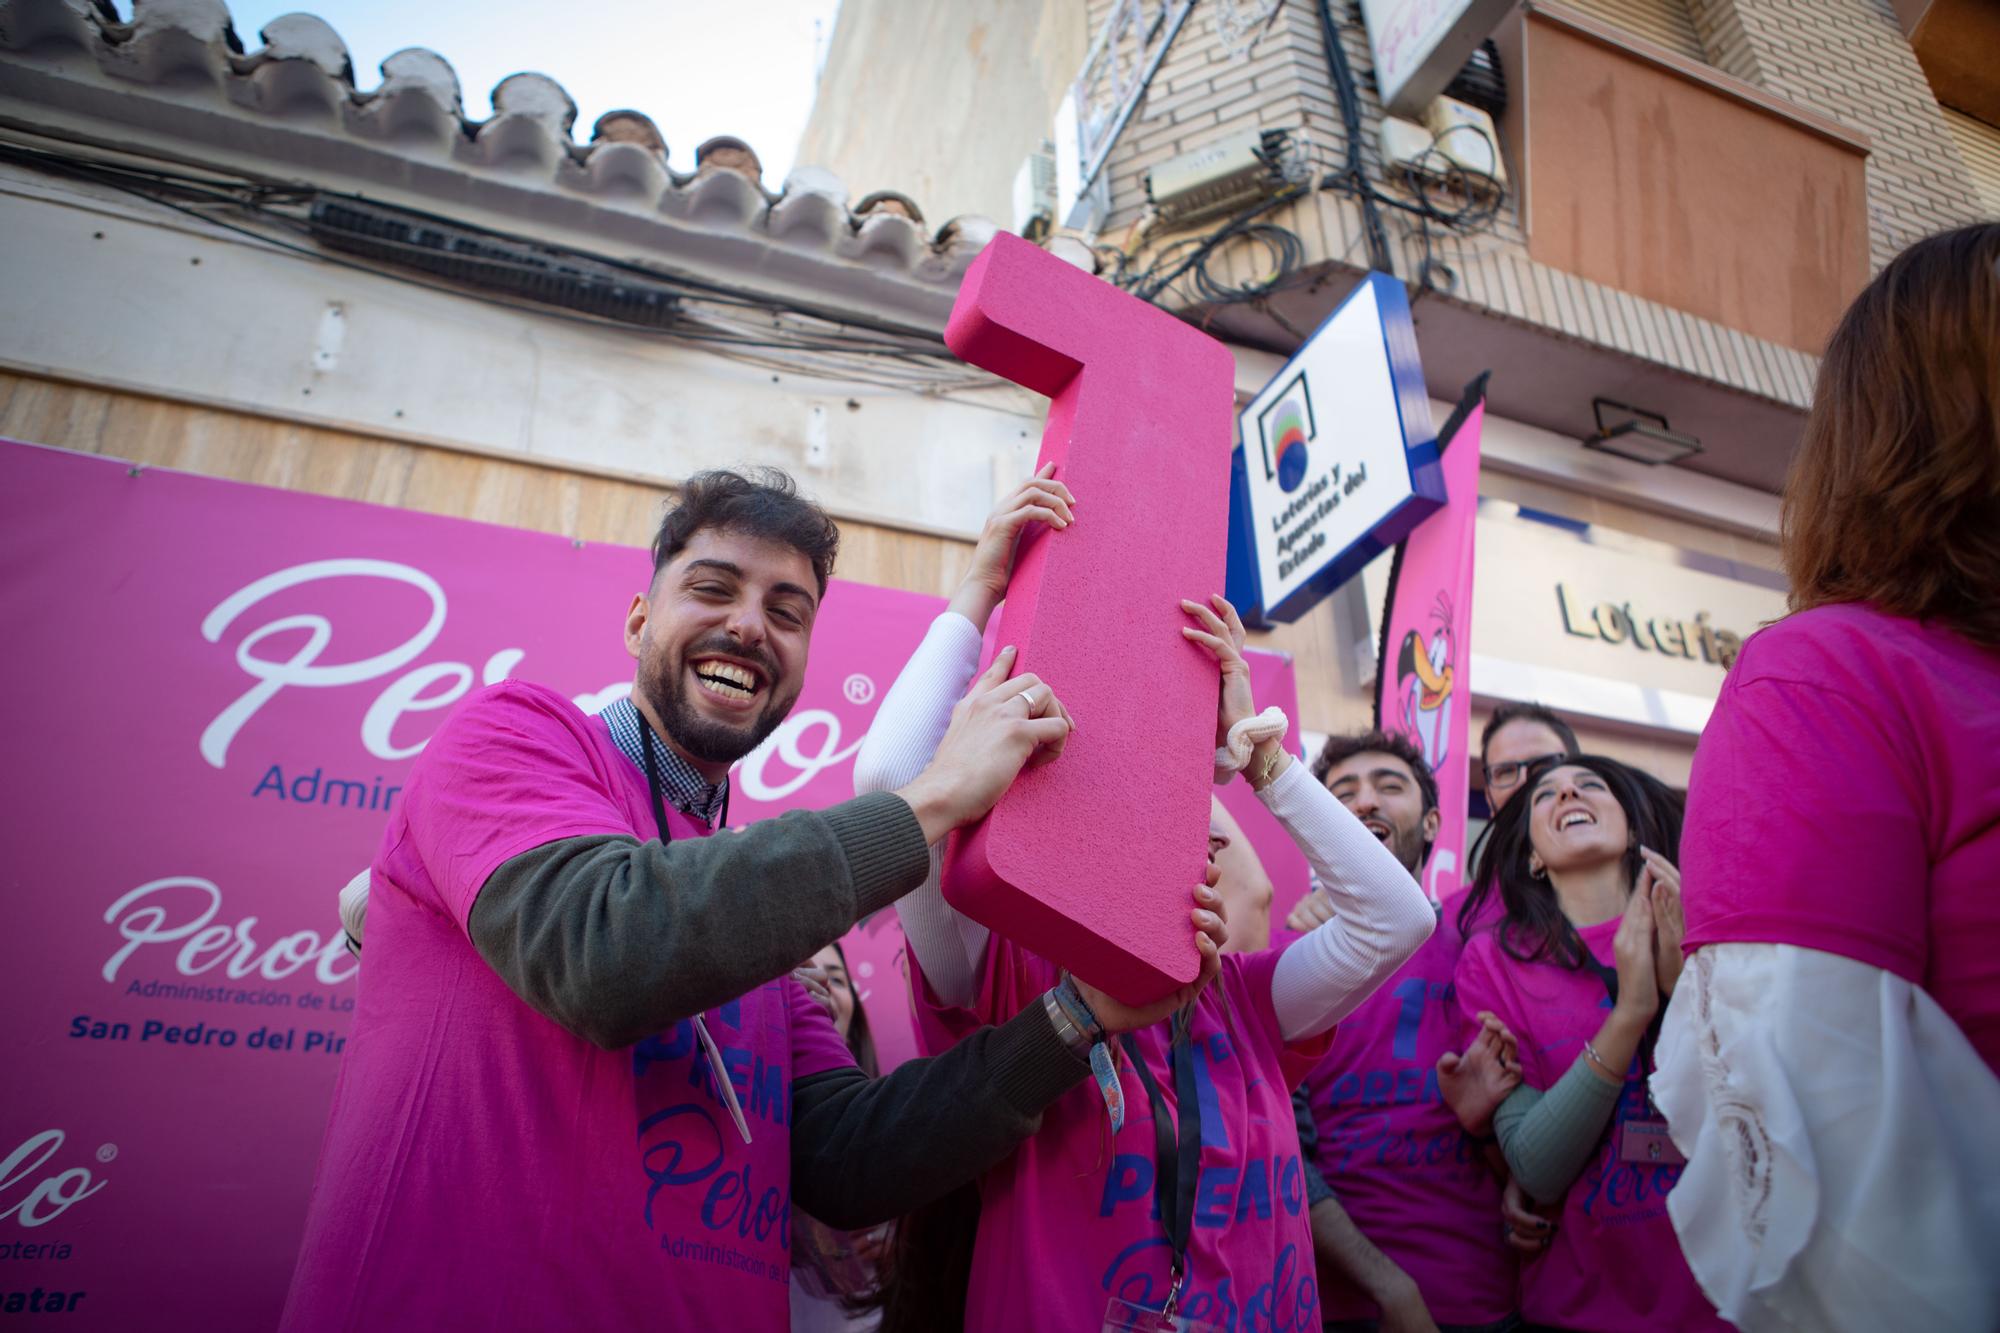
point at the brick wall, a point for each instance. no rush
(1848, 59)
(1204, 92)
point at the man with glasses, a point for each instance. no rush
(1517, 737)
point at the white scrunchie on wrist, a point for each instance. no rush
(1247, 735)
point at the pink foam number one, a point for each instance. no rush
(1092, 861)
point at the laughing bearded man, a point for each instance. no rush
(582, 1088)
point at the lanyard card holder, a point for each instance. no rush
(1647, 1143)
(1122, 1316)
(716, 1069)
(1644, 1141)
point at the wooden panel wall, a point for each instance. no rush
(160, 433)
(1653, 183)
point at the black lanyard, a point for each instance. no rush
(1176, 1166)
(646, 743)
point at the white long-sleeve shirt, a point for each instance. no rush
(1381, 917)
(1842, 1172)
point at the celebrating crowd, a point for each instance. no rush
(1662, 1064)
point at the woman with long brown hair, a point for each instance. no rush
(1577, 962)
(1828, 1061)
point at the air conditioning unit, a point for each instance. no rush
(1035, 191)
(1219, 177)
(1465, 134)
(1406, 150)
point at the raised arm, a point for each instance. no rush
(917, 712)
(908, 726)
(1549, 1136)
(1380, 916)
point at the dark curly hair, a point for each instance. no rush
(1535, 928)
(759, 502)
(1339, 749)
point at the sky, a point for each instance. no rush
(699, 68)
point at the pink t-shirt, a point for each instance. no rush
(1846, 798)
(1394, 1153)
(1614, 1265)
(485, 1169)
(1069, 1220)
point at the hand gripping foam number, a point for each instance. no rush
(1092, 861)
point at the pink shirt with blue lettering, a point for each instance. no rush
(1068, 1221)
(1614, 1265)
(485, 1169)
(1846, 798)
(1394, 1153)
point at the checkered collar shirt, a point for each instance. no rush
(680, 783)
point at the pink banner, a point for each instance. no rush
(1423, 681)
(214, 693)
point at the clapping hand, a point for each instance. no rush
(1661, 880)
(1633, 948)
(1474, 1083)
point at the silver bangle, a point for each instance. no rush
(1072, 1036)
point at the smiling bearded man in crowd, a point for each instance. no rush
(582, 1089)
(1405, 1212)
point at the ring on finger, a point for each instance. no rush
(1034, 706)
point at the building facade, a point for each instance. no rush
(1689, 193)
(1692, 191)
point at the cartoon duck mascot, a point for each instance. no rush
(1423, 682)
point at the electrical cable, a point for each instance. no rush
(1356, 173)
(1193, 253)
(1481, 193)
(713, 316)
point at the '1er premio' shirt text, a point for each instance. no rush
(1069, 1221)
(1392, 1150)
(485, 1169)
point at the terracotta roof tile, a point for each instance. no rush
(292, 107)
